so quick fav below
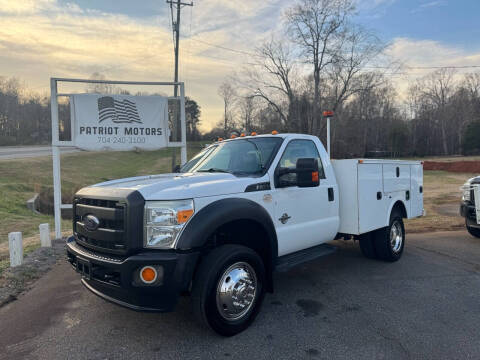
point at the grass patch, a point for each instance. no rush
(442, 198)
(21, 178)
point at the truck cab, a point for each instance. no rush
(245, 208)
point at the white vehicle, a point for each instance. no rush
(470, 205)
(247, 207)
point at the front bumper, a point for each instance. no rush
(113, 277)
(467, 210)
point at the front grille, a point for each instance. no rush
(120, 215)
(111, 233)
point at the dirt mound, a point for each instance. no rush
(454, 166)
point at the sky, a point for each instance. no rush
(132, 40)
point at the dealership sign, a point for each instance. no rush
(119, 122)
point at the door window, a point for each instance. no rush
(298, 149)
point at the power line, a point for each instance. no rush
(224, 47)
(366, 67)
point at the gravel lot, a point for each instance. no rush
(342, 306)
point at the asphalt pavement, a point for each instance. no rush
(16, 152)
(342, 306)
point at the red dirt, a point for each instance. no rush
(454, 166)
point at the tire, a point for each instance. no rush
(230, 267)
(367, 245)
(390, 241)
(472, 231)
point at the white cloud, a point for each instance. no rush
(430, 4)
(25, 6)
(41, 38)
(417, 56)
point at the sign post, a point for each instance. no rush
(112, 122)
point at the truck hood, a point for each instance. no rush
(184, 186)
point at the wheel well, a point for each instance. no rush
(400, 208)
(248, 233)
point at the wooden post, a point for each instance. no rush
(45, 240)
(16, 248)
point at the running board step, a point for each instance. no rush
(286, 262)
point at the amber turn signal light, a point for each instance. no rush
(184, 215)
(148, 274)
(315, 176)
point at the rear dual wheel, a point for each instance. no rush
(386, 243)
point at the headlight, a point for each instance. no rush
(164, 220)
(466, 192)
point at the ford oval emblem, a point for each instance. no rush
(91, 222)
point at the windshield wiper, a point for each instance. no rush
(214, 170)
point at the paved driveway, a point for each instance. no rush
(427, 305)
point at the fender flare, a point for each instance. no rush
(220, 212)
(396, 200)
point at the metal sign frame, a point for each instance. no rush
(57, 144)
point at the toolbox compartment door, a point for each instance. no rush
(396, 177)
(416, 191)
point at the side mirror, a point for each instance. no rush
(176, 169)
(307, 172)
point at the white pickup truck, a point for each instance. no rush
(242, 209)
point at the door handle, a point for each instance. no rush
(331, 194)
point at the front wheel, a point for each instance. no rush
(390, 241)
(228, 289)
(472, 231)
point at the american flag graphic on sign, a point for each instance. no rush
(119, 111)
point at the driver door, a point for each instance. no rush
(302, 215)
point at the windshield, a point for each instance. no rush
(193, 161)
(240, 157)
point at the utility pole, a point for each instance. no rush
(177, 4)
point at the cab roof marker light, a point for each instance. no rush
(233, 136)
(242, 135)
(253, 133)
(274, 132)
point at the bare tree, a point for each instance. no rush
(271, 77)
(247, 108)
(438, 87)
(100, 88)
(228, 94)
(317, 26)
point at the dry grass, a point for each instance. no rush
(20, 178)
(441, 201)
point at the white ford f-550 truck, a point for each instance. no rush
(239, 211)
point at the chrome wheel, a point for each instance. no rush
(236, 291)
(396, 236)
